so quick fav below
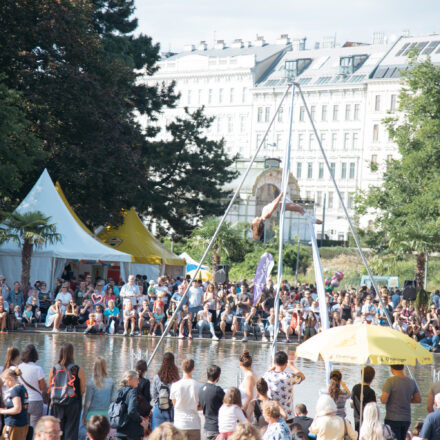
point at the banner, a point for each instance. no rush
(264, 269)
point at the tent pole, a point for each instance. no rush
(222, 220)
(350, 223)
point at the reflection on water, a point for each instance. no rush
(119, 354)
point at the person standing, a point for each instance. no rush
(130, 292)
(211, 399)
(69, 414)
(195, 298)
(398, 393)
(368, 395)
(185, 396)
(281, 378)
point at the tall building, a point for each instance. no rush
(349, 91)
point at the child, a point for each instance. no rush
(158, 317)
(36, 311)
(144, 314)
(185, 321)
(3, 318)
(230, 412)
(99, 317)
(18, 315)
(129, 318)
(91, 324)
(28, 316)
(175, 326)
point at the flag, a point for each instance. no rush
(264, 269)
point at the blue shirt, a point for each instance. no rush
(114, 312)
(431, 426)
(436, 300)
(177, 297)
(396, 300)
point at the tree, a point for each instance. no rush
(29, 230)
(407, 205)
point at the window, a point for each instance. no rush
(308, 195)
(324, 113)
(343, 170)
(230, 124)
(313, 111)
(259, 137)
(341, 236)
(332, 168)
(280, 114)
(355, 141)
(330, 200)
(335, 112)
(311, 139)
(266, 114)
(260, 114)
(209, 96)
(300, 141)
(189, 97)
(393, 104)
(321, 170)
(220, 96)
(301, 113)
(231, 95)
(242, 123)
(334, 140)
(347, 112)
(298, 170)
(377, 103)
(318, 198)
(376, 133)
(374, 158)
(350, 201)
(343, 198)
(199, 97)
(356, 112)
(218, 124)
(323, 139)
(243, 95)
(310, 170)
(352, 170)
(279, 140)
(346, 140)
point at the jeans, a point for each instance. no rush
(161, 416)
(429, 343)
(202, 325)
(399, 428)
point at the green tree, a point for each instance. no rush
(29, 230)
(407, 204)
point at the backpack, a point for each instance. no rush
(62, 387)
(165, 403)
(117, 413)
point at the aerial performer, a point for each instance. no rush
(257, 224)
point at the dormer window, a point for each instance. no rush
(294, 68)
(349, 65)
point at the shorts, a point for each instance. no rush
(14, 432)
(159, 317)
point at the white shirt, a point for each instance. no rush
(32, 374)
(65, 299)
(186, 394)
(129, 292)
(228, 417)
(195, 296)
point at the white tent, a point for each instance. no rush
(76, 244)
(191, 264)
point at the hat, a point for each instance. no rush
(325, 405)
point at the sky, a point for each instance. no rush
(174, 23)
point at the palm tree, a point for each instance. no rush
(28, 230)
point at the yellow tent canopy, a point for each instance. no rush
(134, 238)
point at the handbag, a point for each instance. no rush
(43, 394)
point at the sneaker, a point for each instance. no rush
(215, 338)
(264, 339)
(125, 333)
(168, 335)
(244, 339)
(200, 336)
(234, 338)
(181, 336)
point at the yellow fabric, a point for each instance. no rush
(358, 343)
(134, 238)
(203, 274)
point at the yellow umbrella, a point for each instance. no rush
(203, 274)
(360, 343)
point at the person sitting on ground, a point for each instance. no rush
(3, 318)
(84, 311)
(257, 224)
(157, 319)
(326, 424)
(54, 316)
(129, 317)
(144, 315)
(18, 315)
(175, 325)
(71, 316)
(185, 322)
(36, 312)
(28, 316)
(255, 411)
(254, 323)
(277, 428)
(91, 324)
(99, 317)
(368, 395)
(227, 322)
(211, 399)
(230, 413)
(111, 314)
(98, 427)
(301, 417)
(204, 321)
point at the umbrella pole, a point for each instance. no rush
(362, 399)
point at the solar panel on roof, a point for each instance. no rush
(402, 49)
(412, 45)
(390, 72)
(304, 81)
(438, 50)
(430, 48)
(421, 45)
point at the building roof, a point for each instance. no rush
(397, 57)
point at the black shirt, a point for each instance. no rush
(211, 399)
(304, 421)
(369, 396)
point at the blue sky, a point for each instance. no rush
(174, 23)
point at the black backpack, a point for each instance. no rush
(117, 413)
(62, 386)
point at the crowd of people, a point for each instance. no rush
(174, 405)
(144, 307)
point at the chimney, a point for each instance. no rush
(189, 48)
(299, 44)
(202, 46)
(328, 42)
(248, 44)
(220, 44)
(378, 38)
(283, 40)
(237, 44)
(259, 42)
(317, 45)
